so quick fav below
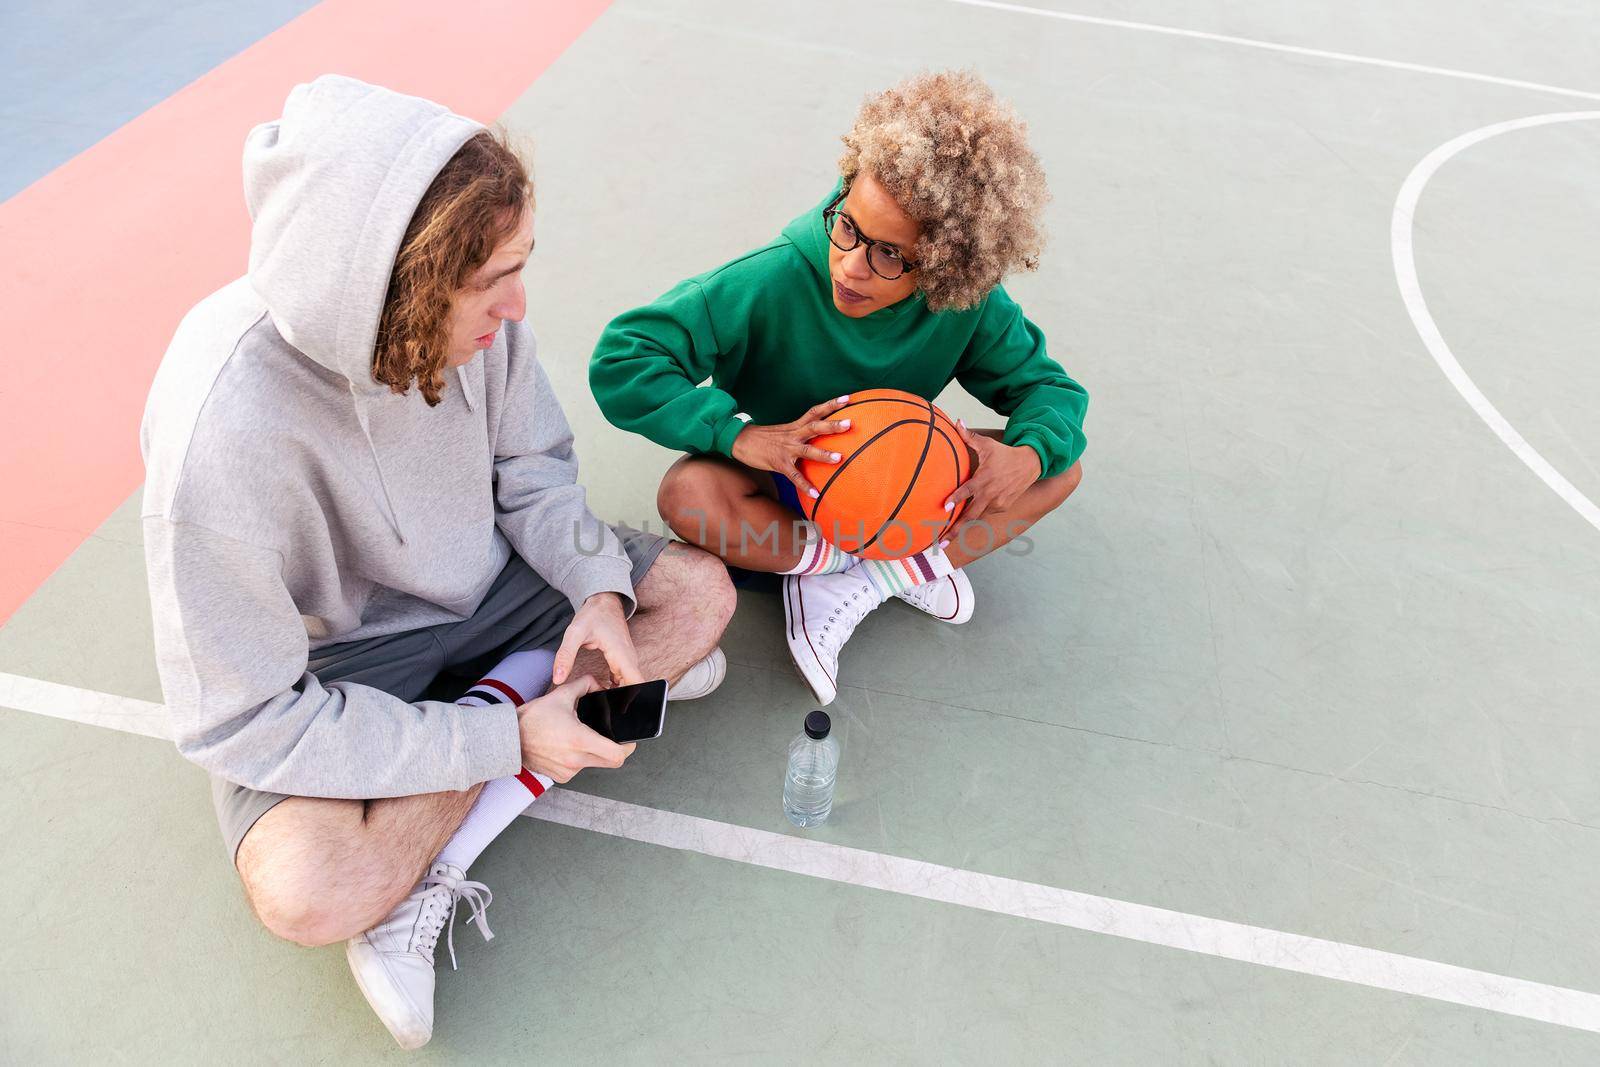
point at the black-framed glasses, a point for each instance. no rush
(884, 260)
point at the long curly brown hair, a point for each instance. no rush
(956, 159)
(473, 205)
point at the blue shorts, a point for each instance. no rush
(788, 495)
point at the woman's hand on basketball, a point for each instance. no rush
(599, 624)
(1001, 474)
(781, 447)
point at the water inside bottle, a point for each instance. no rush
(808, 783)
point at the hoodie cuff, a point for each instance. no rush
(1033, 441)
(722, 437)
(493, 741)
(600, 574)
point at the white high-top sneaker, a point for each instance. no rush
(393, 961)
(702, 679)
(950, 598)
(820, 612)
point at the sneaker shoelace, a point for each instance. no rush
(440, 909)
(851, 610)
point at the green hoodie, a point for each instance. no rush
(764, 329)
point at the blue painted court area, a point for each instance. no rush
(72, 72)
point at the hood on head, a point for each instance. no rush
(331, 187)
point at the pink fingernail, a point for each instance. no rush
(813, 492)
(845, 423)
(836, 456)
(949, 505)
(842, 399)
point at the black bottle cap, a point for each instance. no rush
(817, 725)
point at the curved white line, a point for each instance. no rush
(1401, 227)
(1273, 46)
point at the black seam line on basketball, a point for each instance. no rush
(921, 460)
(956, 452)
(955, 462)
(898, 400)
(877, 400)
(817, 502)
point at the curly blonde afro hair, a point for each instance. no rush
(956, 159)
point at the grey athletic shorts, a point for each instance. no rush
(520, 611)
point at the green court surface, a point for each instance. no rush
(1313, 650)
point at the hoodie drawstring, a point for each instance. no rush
(372, 449)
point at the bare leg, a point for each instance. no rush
(730, 511)
(976, 538)
(685, 602)
(318, 871)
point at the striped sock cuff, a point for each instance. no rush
(818, 556)
(486, 691)
(894, 576)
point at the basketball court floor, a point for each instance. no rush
(1279, 746)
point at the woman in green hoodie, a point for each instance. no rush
(892, 281)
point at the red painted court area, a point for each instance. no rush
(103, 255)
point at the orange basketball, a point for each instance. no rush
(902, 457)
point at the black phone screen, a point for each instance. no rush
(626, 713)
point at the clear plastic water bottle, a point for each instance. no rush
(813, 766)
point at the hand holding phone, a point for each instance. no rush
(627, 712)
(555, 743)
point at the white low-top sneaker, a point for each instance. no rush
(820, 612)
(950, 598)
(393, 961)
(702, 679)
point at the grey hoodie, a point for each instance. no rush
(293, 502)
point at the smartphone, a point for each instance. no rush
(627, 712)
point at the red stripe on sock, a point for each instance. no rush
(495, 683)
(533, 784)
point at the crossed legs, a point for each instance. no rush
(733, 512)
(318, 871)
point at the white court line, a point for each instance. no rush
(815, 858)
(1272, 46)
(1402, 225)
(1062, 907)
(83, 705)
(1079, 911)
(1402, 222)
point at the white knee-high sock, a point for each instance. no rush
(516, 679)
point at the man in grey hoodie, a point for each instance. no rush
(323, 539)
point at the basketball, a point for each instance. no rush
(902, 457)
